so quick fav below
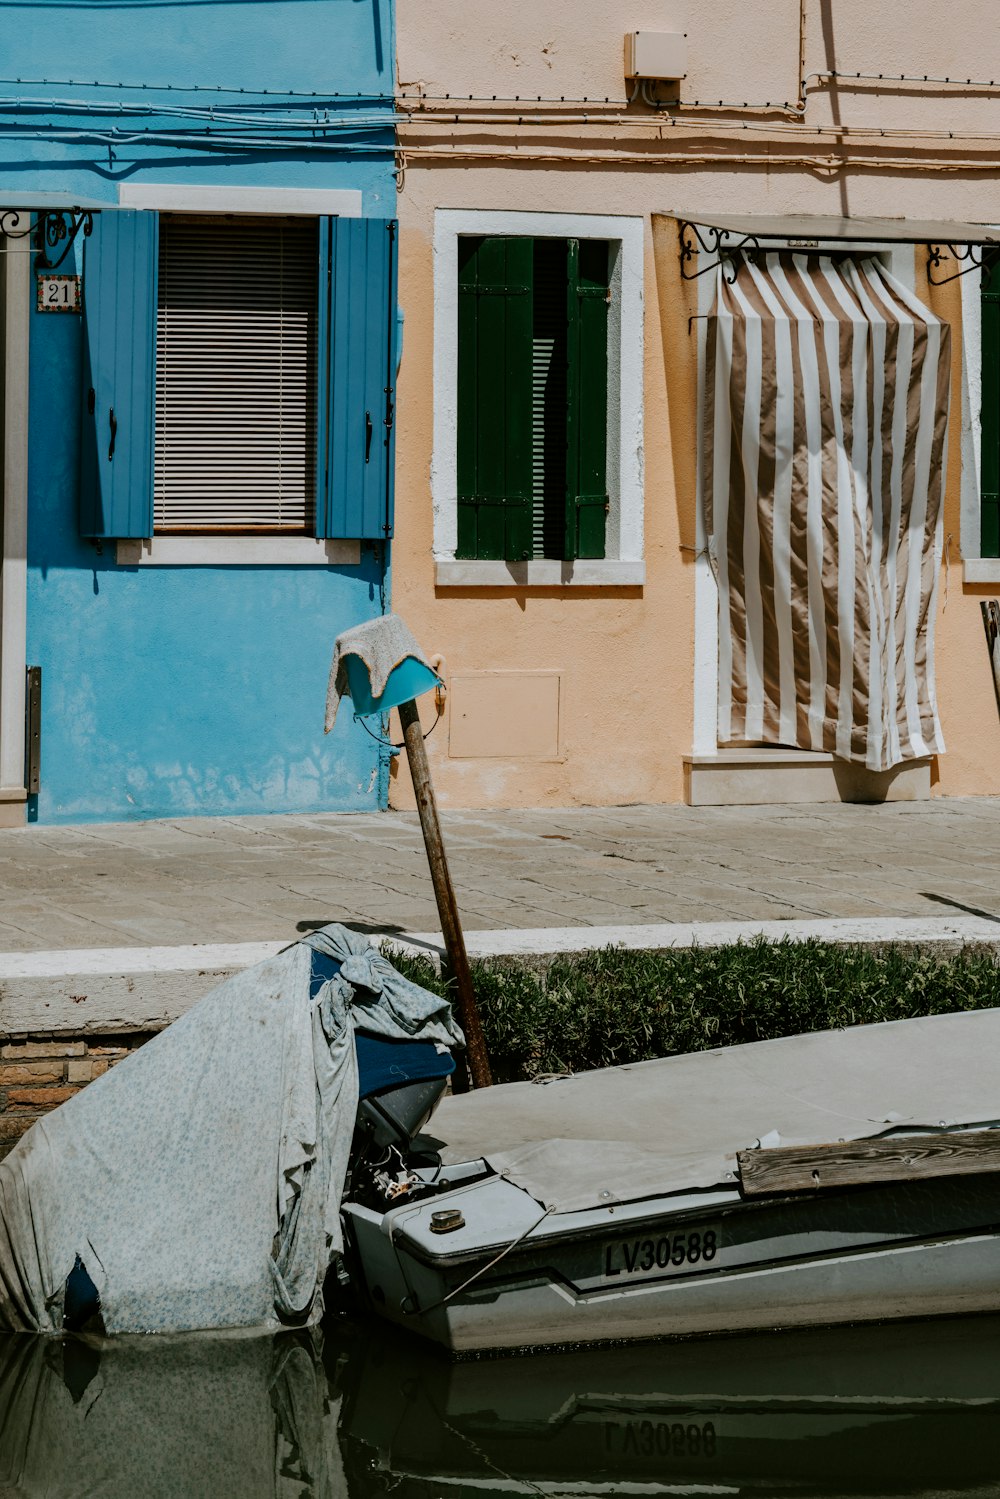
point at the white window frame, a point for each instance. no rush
(624, 564)
(899, 261)
(163, 549)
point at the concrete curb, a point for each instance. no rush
(103, 991)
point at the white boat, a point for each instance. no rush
(845, 1176)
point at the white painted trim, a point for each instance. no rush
(178, 197)
(970, 532)
(706, 588)
(625, 486)
(542, 941)
(14, 510)
(981, 570)
(212, 957)
(101, 991)
(58, 962)
(539, 573)
(238, 551)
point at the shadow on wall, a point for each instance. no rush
(678, 305)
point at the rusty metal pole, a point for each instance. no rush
(444, 894)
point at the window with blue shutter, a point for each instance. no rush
(357, 396)
(119, 303)
(240, 375)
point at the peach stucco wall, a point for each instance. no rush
(626, 654)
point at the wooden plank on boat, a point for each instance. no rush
(848, 1163)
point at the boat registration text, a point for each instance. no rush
(684, 1250)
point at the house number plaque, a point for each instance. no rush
(58, 294)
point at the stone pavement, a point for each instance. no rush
(261, 879)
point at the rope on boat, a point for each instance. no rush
(423, 1310)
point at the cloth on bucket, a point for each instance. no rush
(199, 1182)
(381, 643)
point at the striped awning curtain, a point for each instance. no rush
(826, 417)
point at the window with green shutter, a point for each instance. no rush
(989, 470)
(532, 397)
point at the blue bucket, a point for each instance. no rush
(407, 680)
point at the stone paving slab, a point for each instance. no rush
(211, 880)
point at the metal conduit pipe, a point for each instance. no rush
(775, 128)
(201, 140)
(918, 78)
(467, 117)
(826, 164)
(197, 88)
(185, 112)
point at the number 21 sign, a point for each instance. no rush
(58, 294)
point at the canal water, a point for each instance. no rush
(354, 1413)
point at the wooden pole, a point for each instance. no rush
(444, 894)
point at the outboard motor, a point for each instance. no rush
(399, 1085)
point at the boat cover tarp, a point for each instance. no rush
(200, 1181)
(625, 1133)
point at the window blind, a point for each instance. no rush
(235, 405)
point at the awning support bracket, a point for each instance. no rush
(720, 246)
(53, 229)
(698, 240)
(937, 254)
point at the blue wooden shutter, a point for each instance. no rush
(119, 314)
(357, 372)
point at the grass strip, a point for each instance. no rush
(610, 1005)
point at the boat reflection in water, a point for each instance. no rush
(901, 1409)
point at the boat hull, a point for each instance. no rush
(861, 1255)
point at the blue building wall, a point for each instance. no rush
(186, 690)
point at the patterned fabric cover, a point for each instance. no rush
(200, 1181)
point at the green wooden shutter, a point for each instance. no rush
(119, 317)
(586, 397)
(989, 473)
(494, 398)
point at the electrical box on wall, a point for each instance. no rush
(655, 54)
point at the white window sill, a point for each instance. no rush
(981, 570)
(449, 572)
(180, 197)
(237, 551)
(778, 756)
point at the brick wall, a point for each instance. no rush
(37, 1075)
